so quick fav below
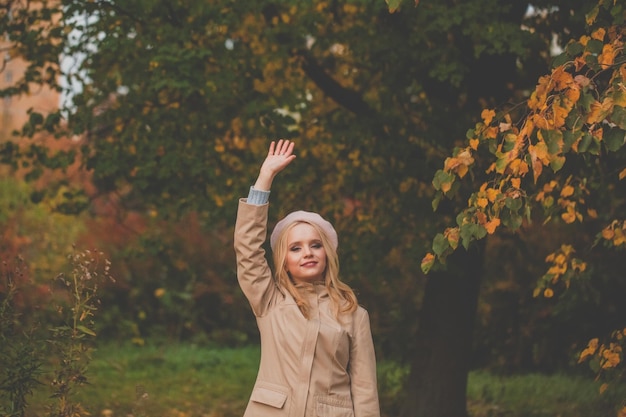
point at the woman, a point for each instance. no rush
(317, 354)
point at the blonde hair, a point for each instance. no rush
(343, 299)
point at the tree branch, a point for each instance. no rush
(347, 98)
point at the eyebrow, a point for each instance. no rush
(300, 243)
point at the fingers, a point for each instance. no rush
(283, 147)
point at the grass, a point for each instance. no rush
(192, 381)
(535, 395)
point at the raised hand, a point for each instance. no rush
(278, 157)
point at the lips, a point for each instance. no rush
(309, 264)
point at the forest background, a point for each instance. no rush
(169, 107)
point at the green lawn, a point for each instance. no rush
(191, 381)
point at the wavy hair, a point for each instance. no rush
(343, 299)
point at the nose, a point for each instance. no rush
(307, 251)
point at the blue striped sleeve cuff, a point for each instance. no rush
(258, 197)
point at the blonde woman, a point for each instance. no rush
(317, 354)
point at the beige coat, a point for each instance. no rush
(309, 368)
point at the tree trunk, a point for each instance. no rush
(437, 381)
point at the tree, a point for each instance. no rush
(175, 101)
(557, 158)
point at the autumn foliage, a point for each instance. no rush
(576, 115)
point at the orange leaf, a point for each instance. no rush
(427, 262)
(487, 115)
(548, 293)
(559, 114)
(608, 233)
(516, 182)
(453, 235)
(569, 216)
(491, 133)
(607, 57)
(562, 78)
(492, 225)
(598, 34)
(622, 174)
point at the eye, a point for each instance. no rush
(316, 246)
(294, 249)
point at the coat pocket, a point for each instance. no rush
(268, 394)
(333, 406)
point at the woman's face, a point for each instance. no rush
(306, 257)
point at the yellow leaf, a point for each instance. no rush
(592, 213)
(562, 78)
(548, 293)
(516, 182)
(567, 191)
(589, 350)
(462, 170)
(482, 202)
(492, 193)
(603, 388)
(473, 143)
(578, 265)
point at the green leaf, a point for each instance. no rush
(574, 48)
(513, 204)
(441, 178)
(437, 200)
(585, 142)
(569, 138)
(614, 139)
(511, 219)
(480, 231)
(554, 140)
(557, 163)
(619, 116)
(466, 233)
(85, 330)
(440, 244)
(393, 5)
(585, 100)
(595, 146)
(595, 46)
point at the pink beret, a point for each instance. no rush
(308, 217)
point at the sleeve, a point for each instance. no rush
(253, 272)
(363, 382)
(258, 197)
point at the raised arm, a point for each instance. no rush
(253, 272)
